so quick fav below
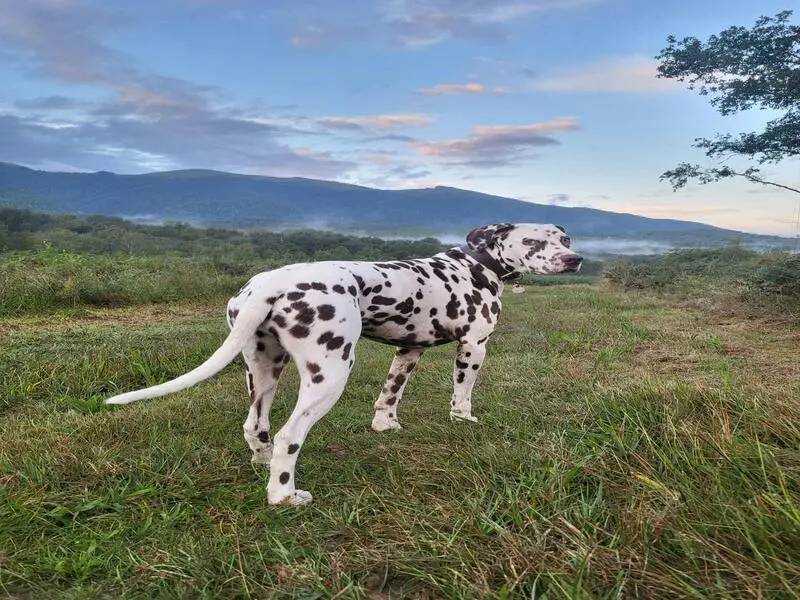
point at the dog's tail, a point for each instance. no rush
(252, 313)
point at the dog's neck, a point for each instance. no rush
(504, 272)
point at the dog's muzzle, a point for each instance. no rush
(572, 263)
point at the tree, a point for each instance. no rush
(741, 69)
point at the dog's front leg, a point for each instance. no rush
(385, 418)
(469, 358)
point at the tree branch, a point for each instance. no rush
(679, 177)
(755, 179)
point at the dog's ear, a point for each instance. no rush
(486, 236)
(561, 228)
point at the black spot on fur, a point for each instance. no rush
(279, 320)
(260, 346)
(346, 351)
(306, 315)
(440, 274)
(460, 378)
(292, 448)
(320, 287)
(335, 343)
(406, 306)
(338, 289)
(284, 478)
(318, 378)
(313, 367)
(452, 307)
(326, 312)
(304, 286)
(536, 245)
(263, 436)
(293, 296)
(299, 331)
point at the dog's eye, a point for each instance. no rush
(565, 240)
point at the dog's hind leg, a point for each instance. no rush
(404, 362)
(323, 348)
(319, 391)
(264, 359)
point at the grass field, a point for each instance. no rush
(629, 447)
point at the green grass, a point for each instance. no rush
(628, 448)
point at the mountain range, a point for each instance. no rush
(219, 199)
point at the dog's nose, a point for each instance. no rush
(573, 261)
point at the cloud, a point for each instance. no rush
(425, 22)
(505, 68)
(61, 39)
(497, 145)
(447, 89)
(310, 36)
(137, 120)
(375, 122)
(48, 103)
(410, 23)
(614, 74)
(130, 145)
(558, 199)
(673, 211)
(391, 137)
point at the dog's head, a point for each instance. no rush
(523, 248)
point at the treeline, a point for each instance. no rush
(22, 229)
(50, 262)
(230, 250)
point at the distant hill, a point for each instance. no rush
(213, 198)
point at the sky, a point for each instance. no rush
(548, 101)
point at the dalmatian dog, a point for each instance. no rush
(315, 313)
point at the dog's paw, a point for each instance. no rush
(296, 498)
(381, 422)
(380, 426)
(300, 497)
(462, 417)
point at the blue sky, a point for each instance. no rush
(550, 101)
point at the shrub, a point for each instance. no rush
(769, 281)
(777, 278)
